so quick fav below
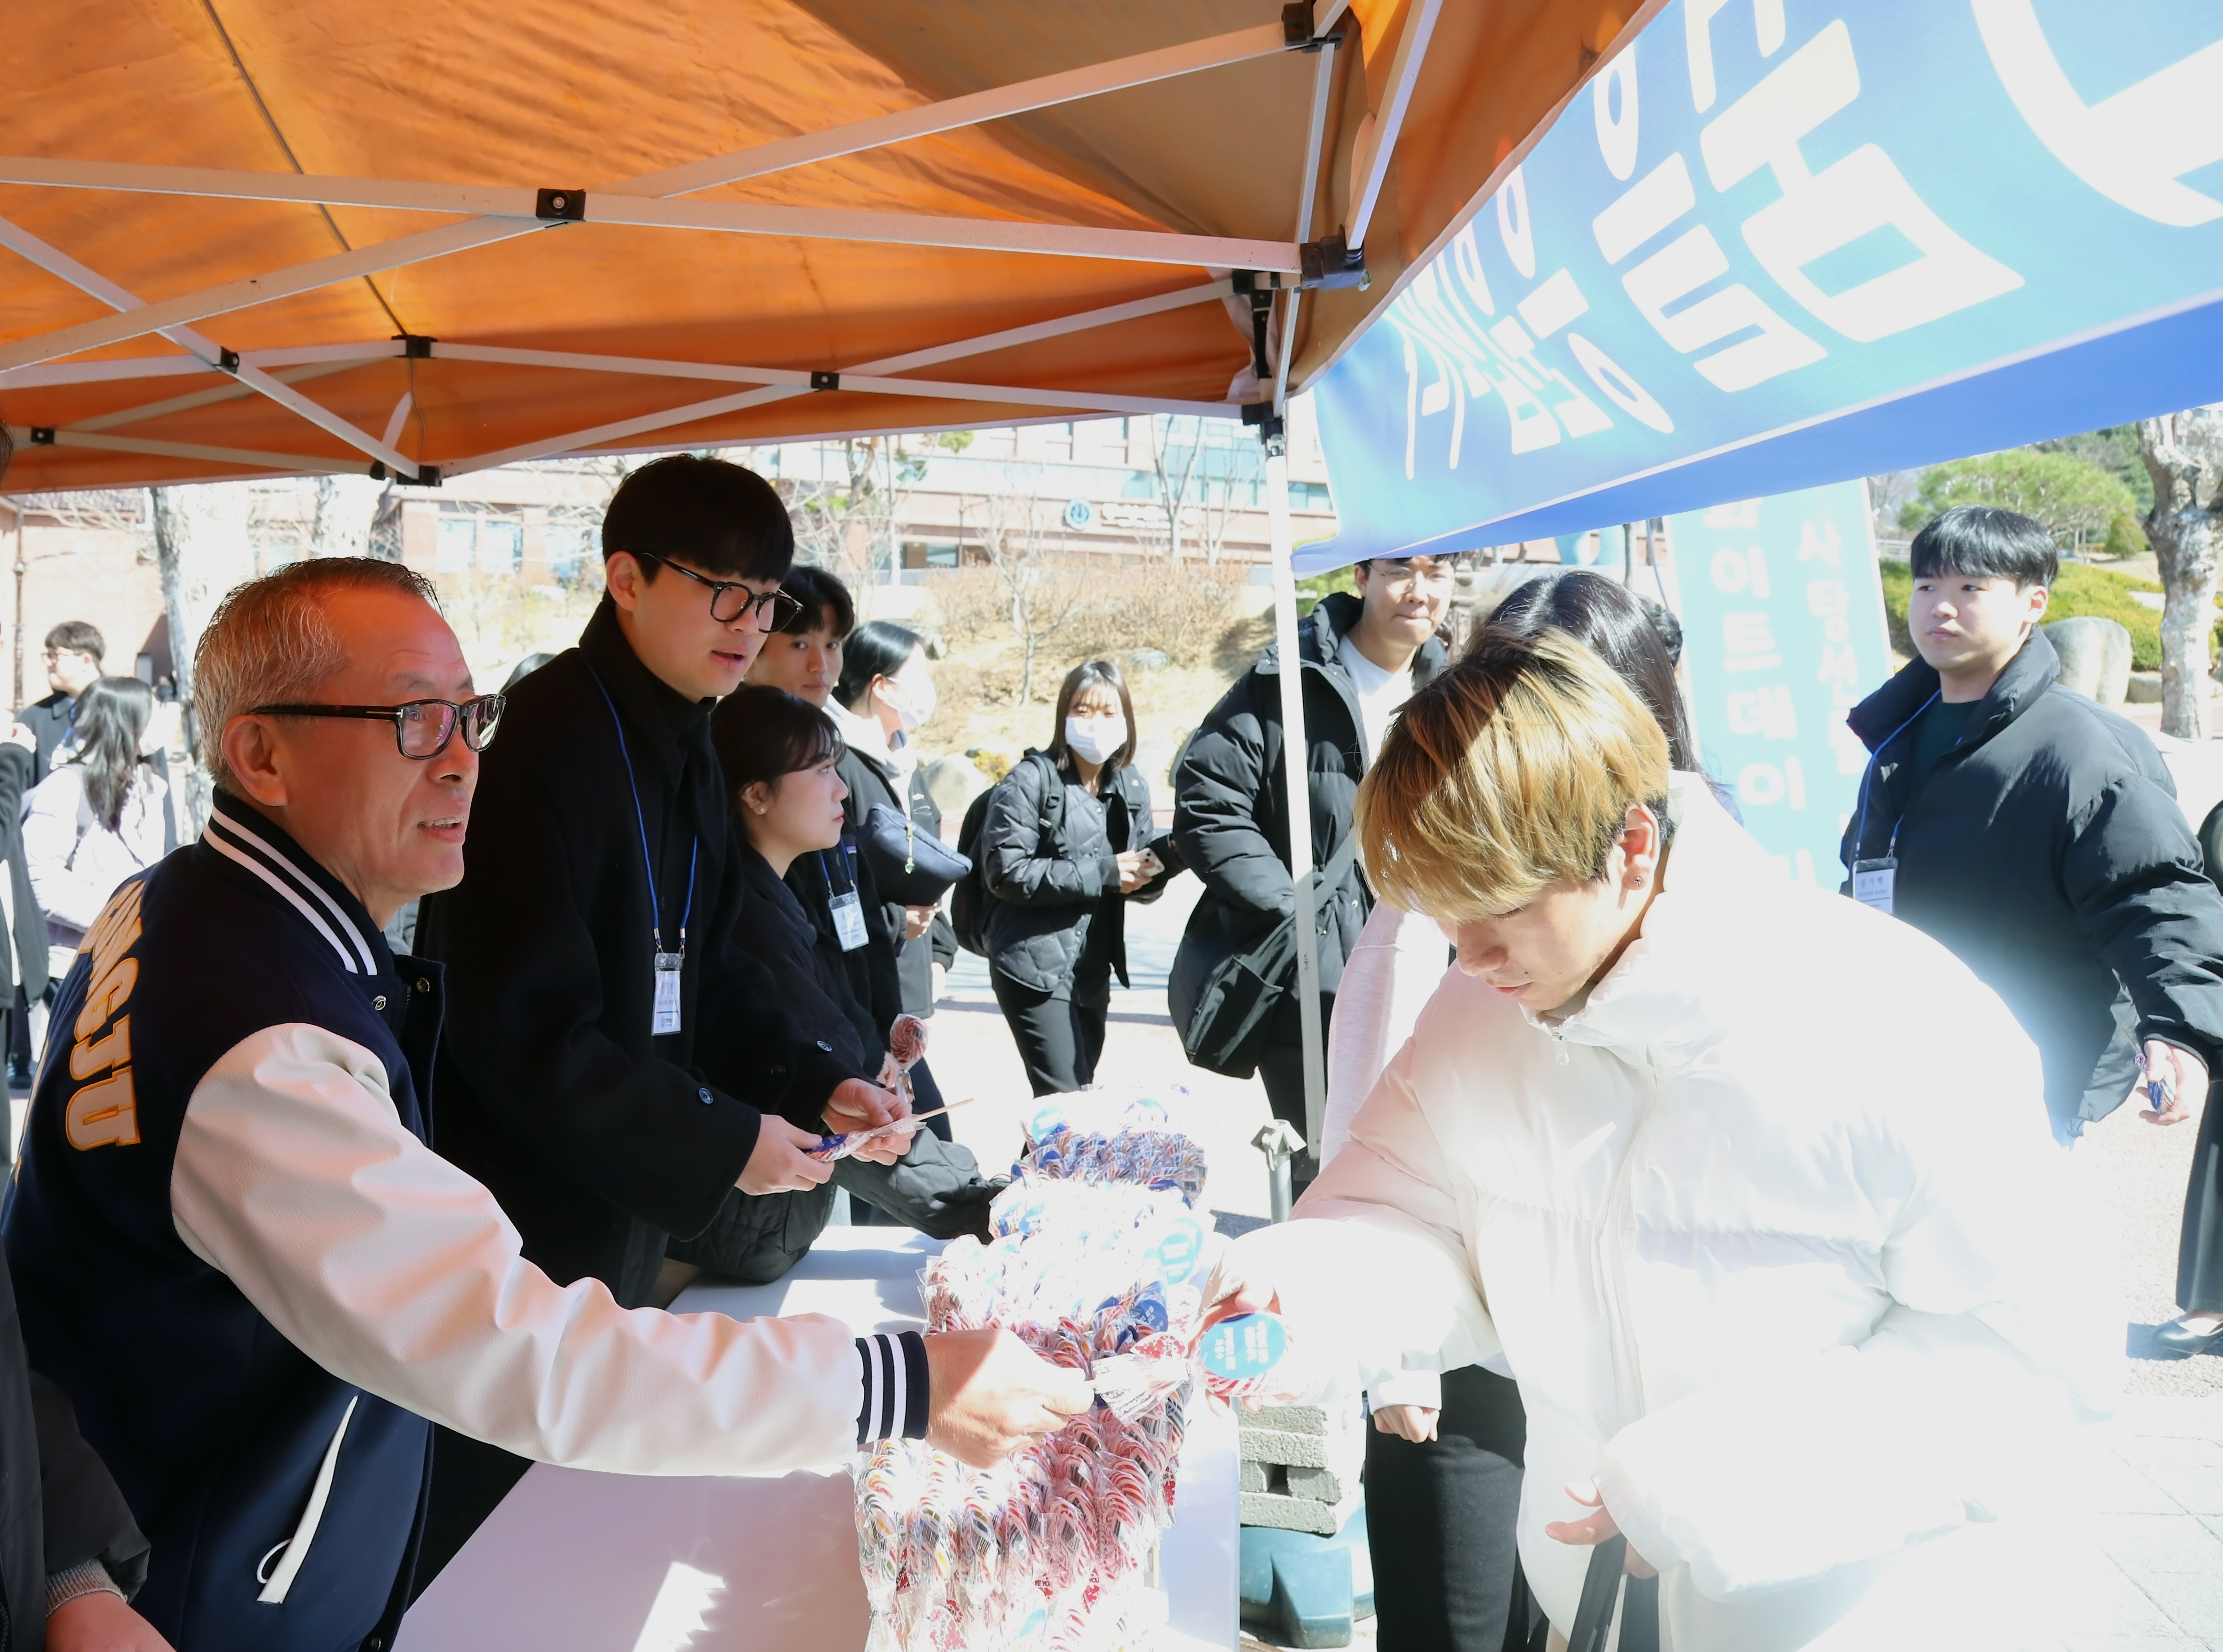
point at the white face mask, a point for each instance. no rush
(912, 702)
(1094, 738)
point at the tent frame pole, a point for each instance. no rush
(1404, 74)
(1297, 790)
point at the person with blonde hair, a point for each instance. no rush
(1748, 1181)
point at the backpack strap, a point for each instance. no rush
(1052, 822)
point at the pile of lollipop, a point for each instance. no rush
(1147, 1157)
(1053, 1548)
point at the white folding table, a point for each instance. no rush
(574, 1562)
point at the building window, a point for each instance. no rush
(567, 546)
(456, 538)
(502, 546)
(1309, 496)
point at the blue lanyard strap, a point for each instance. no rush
(647, 860)
(1868, 780)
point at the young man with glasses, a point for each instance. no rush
(1362, 656)
(615, 1060)
(234, 1246)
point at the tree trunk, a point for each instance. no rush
(346, 508)
(2183, 454)
(202, 548)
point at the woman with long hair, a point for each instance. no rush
(1444, 1459)
(98, 818)
(1066, 840)
(781, 758)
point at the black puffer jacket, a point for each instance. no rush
(2047, 851)
(1049, 903)
(1230, 822)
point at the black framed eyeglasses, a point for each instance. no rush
(729, 601)
(422, 728)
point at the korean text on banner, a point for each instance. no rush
(1774, 243)
(1783, 632)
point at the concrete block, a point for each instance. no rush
(1325, 1484)
(1305, 1419)
(1295, 1513)
(1252, 1476)
(1303, 1450)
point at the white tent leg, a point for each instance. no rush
(1298, 798)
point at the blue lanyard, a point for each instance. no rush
(1868, 780)
(647, 860)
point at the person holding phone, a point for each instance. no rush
(1067, 839)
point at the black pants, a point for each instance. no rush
(2200, 1251)
(1058, 1038)
(1282, 1070)
(1439, 1525)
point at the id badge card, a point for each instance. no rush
(1873, 880)
(848, 921)
(664, 1019)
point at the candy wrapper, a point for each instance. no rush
(1053, 1550)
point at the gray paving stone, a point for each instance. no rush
(2141, 1543)
(2112, 1487)
(2194, 1602)
(2195, 1487)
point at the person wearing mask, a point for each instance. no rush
(596, 944)
(234, 1247)
(1065, 842)
(884, 694)
(1362, 657)
(780, 756)
(1444, 1460)
(74, 650)
(1803, 1306)
(98, 819)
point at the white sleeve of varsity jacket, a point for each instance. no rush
(396, 1272)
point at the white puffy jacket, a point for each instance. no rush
(1778, 1240)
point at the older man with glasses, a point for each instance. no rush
(235, 1249)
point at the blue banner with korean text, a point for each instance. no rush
(1784, 633)
(1775, 243)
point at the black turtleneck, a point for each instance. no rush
(599, 1140)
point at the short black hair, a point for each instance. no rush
(78, 637)
(877, 649)
(762, 733)
(1078, 681)
(825, 602)
(722, 516)
(1988, 543)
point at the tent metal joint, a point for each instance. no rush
(561, 205)
(1269, 424)
(1299, 28)
(415, 347)
(42, 436)
(1331, 262)
(825, 381)
(227, 361)
(419, 476)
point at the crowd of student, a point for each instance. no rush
(1647, 1249)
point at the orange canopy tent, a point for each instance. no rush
(255, 236)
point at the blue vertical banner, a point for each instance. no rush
(1784, 633)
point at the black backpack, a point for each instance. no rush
(969, 899)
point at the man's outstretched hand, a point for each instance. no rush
(991, 1394)
(101, 1623)
(1593, 1530)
